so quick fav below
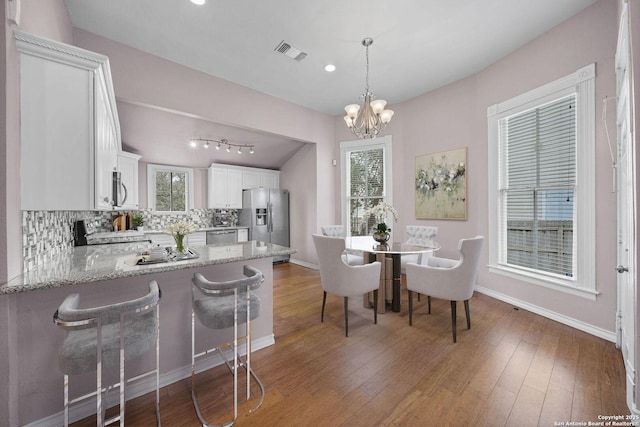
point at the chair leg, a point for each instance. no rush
(346, 316)
(466, 310)
(66, 400)
(324, 300)
(453, 319)
(429, 303)
(411, 307)
(375, 307)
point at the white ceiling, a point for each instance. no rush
(419, 45)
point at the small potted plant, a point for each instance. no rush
(137, 221)
(381, 231)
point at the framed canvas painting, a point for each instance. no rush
(441, 185)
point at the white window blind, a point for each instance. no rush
(538, 154)
(366, 179)
(366, 186)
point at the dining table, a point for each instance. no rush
(389, 255)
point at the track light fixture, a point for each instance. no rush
(222, 143)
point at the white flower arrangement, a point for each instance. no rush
(179, 228)
(380, 212)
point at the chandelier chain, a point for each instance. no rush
(366, 81)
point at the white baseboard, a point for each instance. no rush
(144, 386)
(569, 321)
(304, 264)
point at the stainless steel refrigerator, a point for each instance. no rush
(266, 212)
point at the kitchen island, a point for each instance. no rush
(105, 274)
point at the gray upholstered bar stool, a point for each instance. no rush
(107, 336)
(221, 305)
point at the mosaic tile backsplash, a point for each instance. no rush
(46, 234)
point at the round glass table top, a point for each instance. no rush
(367, 244)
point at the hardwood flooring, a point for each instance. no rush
(512, 368)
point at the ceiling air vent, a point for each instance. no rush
(292, 52)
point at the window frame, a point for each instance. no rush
(152, 170)
(582, 84)
(346, 147)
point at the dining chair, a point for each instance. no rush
(447, 279)
(333, 230)
(418, 235)
(341, 279)
(351, 257)
(102, 337)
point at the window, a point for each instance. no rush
(169, 188)
(541, 185)
(366, 181)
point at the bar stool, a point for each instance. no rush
(106, 336)
(221, 305)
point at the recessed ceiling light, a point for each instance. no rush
(329, 68)
(198, 2)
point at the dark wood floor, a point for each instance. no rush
(513, 368)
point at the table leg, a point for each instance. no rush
(395, 303)
(367, 300)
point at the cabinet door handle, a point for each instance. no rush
(126, 193)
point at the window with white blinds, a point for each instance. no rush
(538, 151)
(541, 185)
(366, 181)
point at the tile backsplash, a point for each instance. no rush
(46, 234)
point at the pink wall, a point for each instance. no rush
(302, 181)
(47, 18)
(456, 116)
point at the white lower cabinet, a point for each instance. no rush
(225, 252)
(199, 238)
(243, 235)
(161, 239)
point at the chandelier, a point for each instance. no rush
(223, 143)
(368, 121)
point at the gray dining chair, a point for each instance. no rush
(447, 279)
(341, 279)
(102, 337)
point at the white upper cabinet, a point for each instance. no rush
(270, 179)
(259, 178)
(226, 183)
(70, 134)
(225, 188)
(128, 168)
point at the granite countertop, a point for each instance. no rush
(84, 264)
